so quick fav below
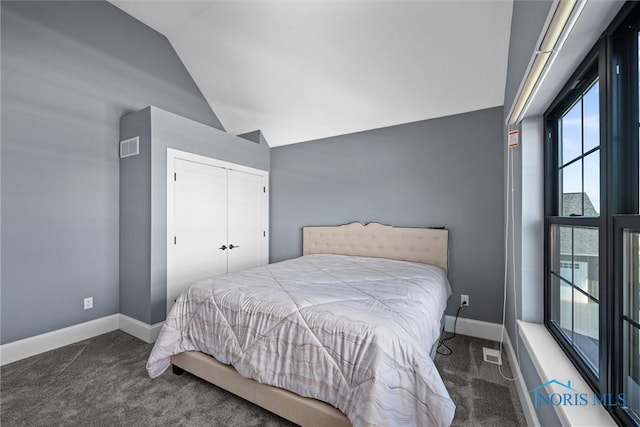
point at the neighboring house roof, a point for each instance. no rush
(573, 203)
(585, 240)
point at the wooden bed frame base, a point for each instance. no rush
(300, 410)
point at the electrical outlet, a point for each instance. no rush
(88, 303)
(464, 300)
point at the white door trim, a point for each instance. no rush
(173, 154)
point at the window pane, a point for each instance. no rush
(561, 277)
(592, 184)
(571, 181)
(632, 274)
(574, 287)
(591, 118)
(571, 134)
(561, 312)
(566, 309)
(562, 252)
(631, 383)
(585, 334)
(585, 260)
(586, 313)
(579, 172)
(631, 352)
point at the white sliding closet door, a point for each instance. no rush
(245, 220)
(200, 224)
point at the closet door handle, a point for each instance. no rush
(223, 247)
(231, 246)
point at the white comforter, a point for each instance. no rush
(352, 331)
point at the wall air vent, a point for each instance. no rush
(129, 147)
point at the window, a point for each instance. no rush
(592, 216)
(630, 382)
(579, 146)
(575, 291)
(631, 322)
(574, 221)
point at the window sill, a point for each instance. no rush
(552, 364)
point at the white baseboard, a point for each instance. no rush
(474, 328)
(523, 393)
(31, 346)
(142, 331)
(21, 349)
(28, 347)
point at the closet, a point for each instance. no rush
(151, 140)
(216, 219)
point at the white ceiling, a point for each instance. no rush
(303, 70)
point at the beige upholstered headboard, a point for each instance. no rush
(427, 245)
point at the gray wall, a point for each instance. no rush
(527, 20)
(446, 171)
(135, 219)
(70, 70)
(255, 136)
(143, 198)
(526, 25)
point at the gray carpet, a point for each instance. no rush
(482, 396)
(102, 381)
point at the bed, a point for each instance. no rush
(352, 323)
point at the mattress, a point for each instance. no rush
(354, 332)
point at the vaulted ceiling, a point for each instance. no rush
(301, 70)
